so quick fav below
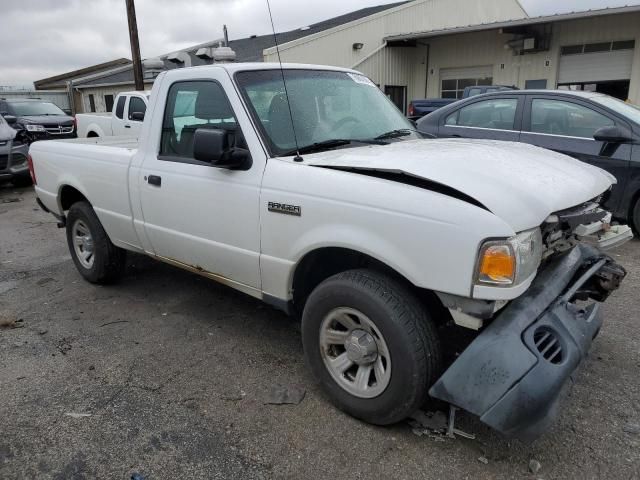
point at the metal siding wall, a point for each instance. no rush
(334, 47)
(398, 66)
(444, 14)
(487, 48)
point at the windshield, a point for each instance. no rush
(325, 106)
(23, 109)
(628, 110)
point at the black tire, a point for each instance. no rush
(407, 328)
(634, 219)
(22, 181)
(109, 260)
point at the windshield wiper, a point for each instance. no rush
(400, 132)
(331, 143)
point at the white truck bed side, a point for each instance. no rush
(96, 171)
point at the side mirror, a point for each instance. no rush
(613, 134)
(137, 116)
(11, 120)
(210, 145)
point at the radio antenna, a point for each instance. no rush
(297, 158)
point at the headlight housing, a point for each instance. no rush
(504, 263)
(33, 128)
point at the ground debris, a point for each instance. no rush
(285, 394)
(534, 465)
(484, 460)
(633, 428)
(430, 424)
(10, 322)
(234, 396)
(77, 415)
(11, 200)
(63, 346)
(435, 421)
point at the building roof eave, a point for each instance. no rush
(513, 23)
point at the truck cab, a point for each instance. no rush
(126, 117)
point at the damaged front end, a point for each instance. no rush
(511, 375)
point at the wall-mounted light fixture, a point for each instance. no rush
(358, 46)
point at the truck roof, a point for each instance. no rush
(243, 66)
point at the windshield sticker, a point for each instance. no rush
(361, 79)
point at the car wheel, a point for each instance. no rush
(635, 217)
(371, 345)
(22, 181)
(96, 258)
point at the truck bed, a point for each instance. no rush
(128, 142)
(96, 167)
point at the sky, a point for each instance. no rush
(42, 38)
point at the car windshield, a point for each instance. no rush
(628, 110)
(330, 109)
(22, 109)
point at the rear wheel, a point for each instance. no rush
(96, 258)
(371, 345)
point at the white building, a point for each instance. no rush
(434, 48)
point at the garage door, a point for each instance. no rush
(454, 80)
(599, 62)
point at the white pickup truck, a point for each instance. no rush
(322, 200)
(125, 119)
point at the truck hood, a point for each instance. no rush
(519, 183)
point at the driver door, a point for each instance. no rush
(199, 216)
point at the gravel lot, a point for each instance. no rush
(170, 373)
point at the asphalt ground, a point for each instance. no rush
(166, 374)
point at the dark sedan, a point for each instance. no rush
(36, 119)
(591, 127)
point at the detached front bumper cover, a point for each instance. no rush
(512, 374)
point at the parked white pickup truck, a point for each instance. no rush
(322, 200)
(125, 118)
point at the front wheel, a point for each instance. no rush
(371, 345)
(96, 258)
(634, 219)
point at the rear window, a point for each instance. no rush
(120, 107)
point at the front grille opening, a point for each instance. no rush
(548, 345)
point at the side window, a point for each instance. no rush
(192, 105)
(557, 117)
(136, 104)
(452, 119)
(120, 106)
(497, 114)
(108, 102)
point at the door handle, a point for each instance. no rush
(127, 126)
(154, 180)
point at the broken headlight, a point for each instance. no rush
(510, 262)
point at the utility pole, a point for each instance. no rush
(135, 45)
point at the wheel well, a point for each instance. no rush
(320, 264)
(69, 196)
(632, 204)
(92, 134)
